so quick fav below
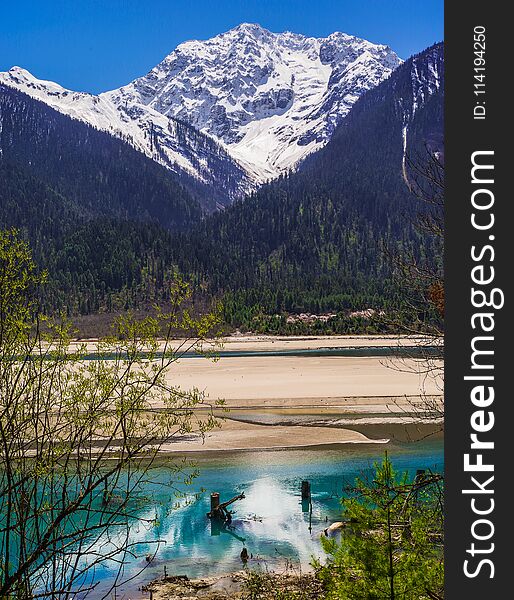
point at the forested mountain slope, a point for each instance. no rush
(315, 240)
(94, 208)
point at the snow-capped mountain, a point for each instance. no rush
(168, 141)
(248, 102)
(269, 98)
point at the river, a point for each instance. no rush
(271, 522)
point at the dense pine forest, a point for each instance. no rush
(97, 213)
(112, 227)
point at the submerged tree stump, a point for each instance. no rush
(219, 510)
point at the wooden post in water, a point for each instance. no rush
(215, 502)
(306, 490)
(306, 497)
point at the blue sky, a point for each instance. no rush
(97, 45)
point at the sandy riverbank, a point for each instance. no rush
(306, 380)
(237, 435)
(263, 343)
(387, 390)
(270, 381)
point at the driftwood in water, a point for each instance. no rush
(219, 510)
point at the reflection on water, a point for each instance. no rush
(271, 521)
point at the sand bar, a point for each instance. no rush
(304, 381)
(233, 435)
(263, 343)
(384, 388)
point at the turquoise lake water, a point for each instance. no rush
(270, 522)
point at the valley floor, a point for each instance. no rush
(299, 401)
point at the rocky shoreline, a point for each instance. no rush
(234, 586)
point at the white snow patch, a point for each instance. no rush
(269, 99)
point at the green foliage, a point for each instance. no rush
(259, 585)
(18, 280)
(392, 544)
(78, 437)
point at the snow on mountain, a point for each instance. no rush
(426, 71)
(251, 100)
(168, 141)
(269, 98)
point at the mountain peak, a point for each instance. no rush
(19, 73)
(268, 98)
(15, 70)
(252, 28)
(23, 80)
